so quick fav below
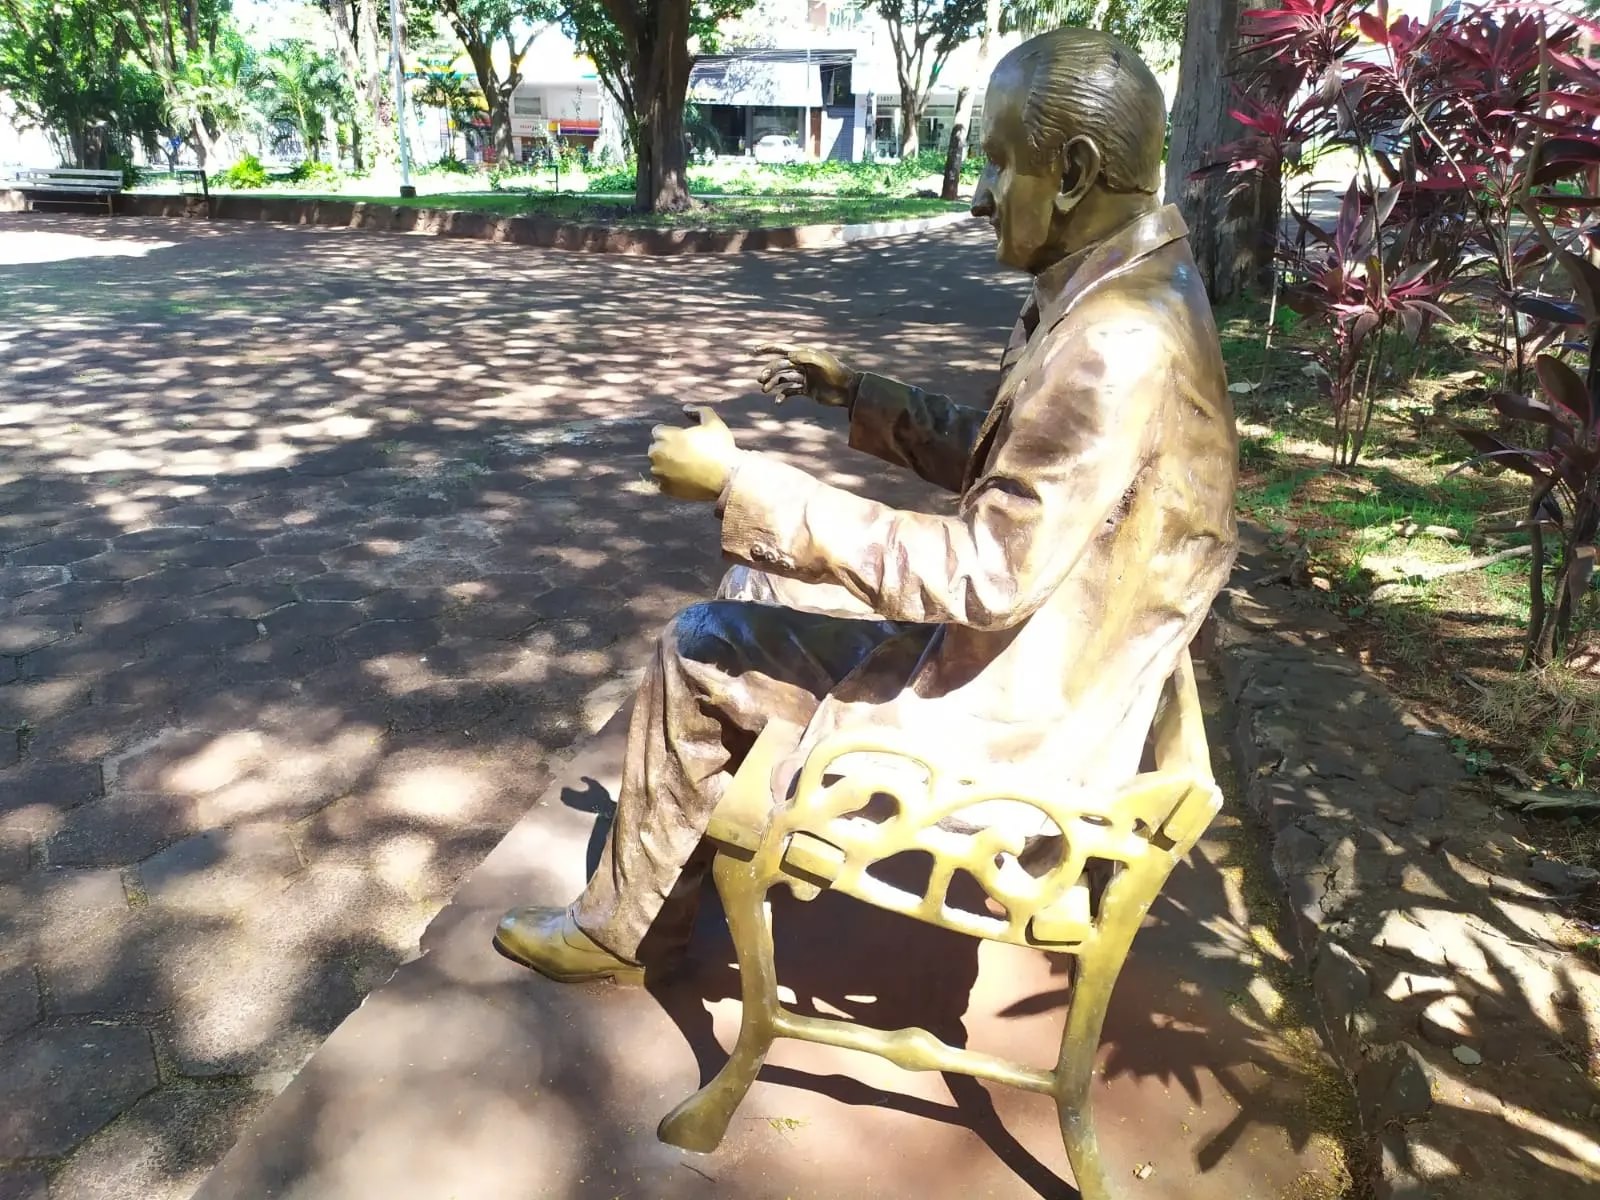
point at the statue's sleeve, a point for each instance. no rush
(904, 425)
(1067, 451)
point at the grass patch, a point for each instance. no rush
(1382, 539)
(734, 212)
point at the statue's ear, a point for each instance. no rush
(1080, 168)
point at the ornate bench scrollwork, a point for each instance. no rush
(1076, 874)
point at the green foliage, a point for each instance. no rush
(450, 165)
(310, 172)
(63, 66)
(618, 179)
(246, 173)
(305, 87)
(1152, 27)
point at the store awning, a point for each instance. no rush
(753, 82)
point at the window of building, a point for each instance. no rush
(836, 85)
(527, 106)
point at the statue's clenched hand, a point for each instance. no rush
(693, 463)
(805, 371)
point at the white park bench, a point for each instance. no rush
(68, 186)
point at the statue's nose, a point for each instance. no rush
(983, 194)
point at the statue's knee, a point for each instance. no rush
(697, 632)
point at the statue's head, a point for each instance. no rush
(1073, 126)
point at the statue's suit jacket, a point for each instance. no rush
(1095, 524)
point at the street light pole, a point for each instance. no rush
(406, 190)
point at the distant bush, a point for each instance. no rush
(312, 172)
(246, 173)
(620, 179)
(450, 165)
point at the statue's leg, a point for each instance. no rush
(721, 670)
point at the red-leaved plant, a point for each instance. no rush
(1364, 295)
(1566, 496)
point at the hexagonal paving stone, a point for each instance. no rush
(57, 551)
(196, 514)
(163, 1147)
(161, 537)
(73, 597)
(336, 587)
(19, 999)
(306, 541)
(313, 618)
(282, 567)
(121, 829)
(201, 635)
(177, 582)
(220, 869)
(214, 552)
(127, 621)
(59, 785)
(76, 1079)
(377, 638)
(252, 600)
(75, 656)
(22, 1183)
(90, 734)
(19, 581)
(31, 703)
(22, 635)
(408, 604)
(118, 564)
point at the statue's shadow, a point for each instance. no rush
(830, 953)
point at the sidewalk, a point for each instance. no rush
(469, 1076)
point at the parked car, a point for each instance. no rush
(778, 148)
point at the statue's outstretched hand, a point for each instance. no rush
(693, 463)
(805, 371)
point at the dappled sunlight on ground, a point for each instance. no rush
(318, 546)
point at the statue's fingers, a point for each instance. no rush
(781, 348)
(783, 379)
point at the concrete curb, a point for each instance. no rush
(521, 231)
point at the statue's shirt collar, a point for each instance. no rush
(1057, 286)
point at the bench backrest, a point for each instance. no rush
(73, 179)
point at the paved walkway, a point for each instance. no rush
(318, 547)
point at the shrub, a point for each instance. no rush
(246, 173)
(617, 179)
(450, 165)
(1449, 120)
(313, 172)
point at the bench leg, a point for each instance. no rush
(1086, 1014)
(701, 1121)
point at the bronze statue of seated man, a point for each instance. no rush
(1095, 524)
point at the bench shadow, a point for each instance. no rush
(829, 953)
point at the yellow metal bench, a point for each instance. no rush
(1089, 900)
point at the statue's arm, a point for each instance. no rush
(929, 433)
(1067, 453)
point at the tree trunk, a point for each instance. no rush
(910, 121)
(350, 60)
(966, 100)
(662, 184)
(954, 157)
(500, 124)
(1232, 240)
(374, 51)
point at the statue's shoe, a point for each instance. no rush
(549, 941)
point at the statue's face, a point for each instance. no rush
(1016, 194)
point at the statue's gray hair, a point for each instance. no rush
(1082, 82)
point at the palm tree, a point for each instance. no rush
(304, 87)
